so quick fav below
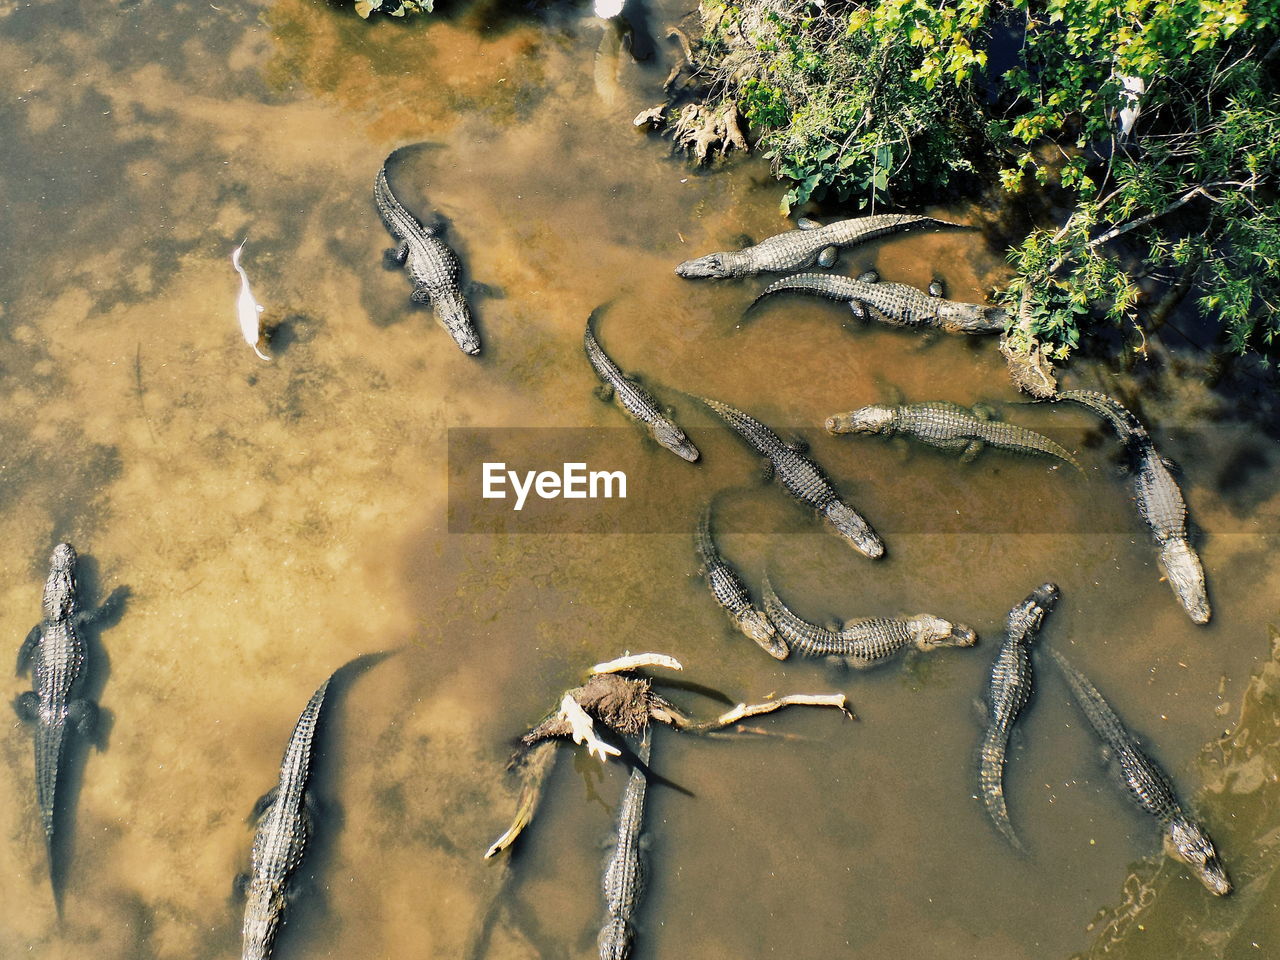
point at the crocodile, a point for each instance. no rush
(624, 877)
(1159, 501)
(863, 643)
(284, 817)
(730, 592)
(1147, 785)
(802, 247)
(1008, 694)
(55, 653)
(895, 303)
(802, 478)
(947, 426)
(634, 399)
(432, 266)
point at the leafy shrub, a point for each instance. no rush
(879, 100)
(396, 8)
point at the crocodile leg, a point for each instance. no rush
(84, 714)
(395, 256)
(420, 295)
(860, 309)
(604, 392)
(971, 451)
(827, 256)
(264, 803)
(804, 223)
(27, 706)
(28, 647)
(107, 610)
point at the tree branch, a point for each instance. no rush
(1141, 221)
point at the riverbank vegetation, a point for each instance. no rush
(1152, 127)
(395, 8)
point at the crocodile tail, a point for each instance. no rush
(1122, 420)
(706, 544)
(991, 785)
(1106, 724)
(730, 415)
(1039, 443)
(1054, 449)
(589, 335)
(822, 284)
(1182, 567)
(787, 622)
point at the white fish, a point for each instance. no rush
(584, 730)
(247, 307)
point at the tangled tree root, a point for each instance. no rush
(698, 129)
(1030, 368)
(625, 705)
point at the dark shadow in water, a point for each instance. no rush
(293, 329)
(638, 31)
(97, 668)
(1245, 479)
(692, 686)
(633, 761)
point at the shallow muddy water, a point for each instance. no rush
(274, 521)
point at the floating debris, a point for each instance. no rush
(625, 705)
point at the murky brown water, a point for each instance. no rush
(277, 520)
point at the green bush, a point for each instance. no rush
(396, 8)
(887, 99)
(836, 101)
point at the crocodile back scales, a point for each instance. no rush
(800, 248)
(633, 398)
(863, 642)
(951, 427)
(624, 877)
(1008, 692)
(432, 266)
(726, 586)
(57, 663)
(1160, 502)
(1147, 784)
(1121, 418)
(802, 478)
(895, 303)
(280, 842)
(1159, 497)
